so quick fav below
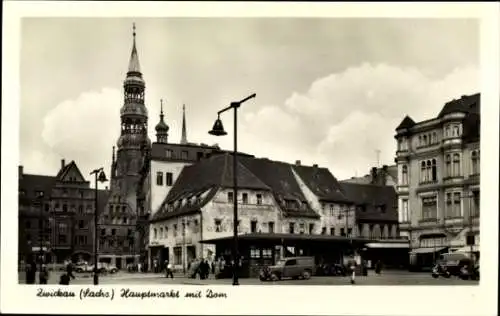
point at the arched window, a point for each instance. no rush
(155, 233)
(429, 171)
(456, 165)
(405, 175)
(434, 170)
(448, 166)
(425, 140)
(422, 172)
(434, 137)
(161, 232)
(475, 162)
(456, 131)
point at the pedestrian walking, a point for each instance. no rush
(155, 266)
(169, 269)
(31, 272)
(69, 270)
(43, 275)
(352, 268)
(139, 267)
(378, 267)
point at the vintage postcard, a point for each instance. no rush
(256, 158)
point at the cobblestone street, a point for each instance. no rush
(387, 278)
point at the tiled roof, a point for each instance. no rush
(279, 177)
(322, 183)
(29, 184)
(371, 196)
(466, 104)
(208, 174)
(406, 123)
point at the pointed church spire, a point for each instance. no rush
(133, 65)
(184, 136)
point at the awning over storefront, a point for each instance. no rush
(279, 238)
(427, 250)
(387, 245)
(466, 249)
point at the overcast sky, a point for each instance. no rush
(329, 91)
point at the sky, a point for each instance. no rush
(329, 91)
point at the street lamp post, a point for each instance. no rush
(40, 229)
(218, 130)
(99, 177)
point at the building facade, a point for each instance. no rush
(438, 180)
(57, 213)
(273, 198)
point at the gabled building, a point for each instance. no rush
(438, 180)
(57, 212)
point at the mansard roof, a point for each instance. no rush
(466, 104)
(322, 183)
(372, 196)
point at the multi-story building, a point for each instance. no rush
(438, 180)
(57, 212)
(274, 198)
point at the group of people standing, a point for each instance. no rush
(44, 275)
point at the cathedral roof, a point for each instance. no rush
(133, 65)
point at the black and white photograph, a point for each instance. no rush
(216, 152)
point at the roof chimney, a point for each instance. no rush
(21, 171)
(63, 163)
(384, 167)
(315, 166)
(297, 162)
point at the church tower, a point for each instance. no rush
(161, 128)
(133, 143)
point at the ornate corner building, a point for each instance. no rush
(438, 181)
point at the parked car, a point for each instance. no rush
(468, 272)
(293, 267)
(103, 268)
(451, 264)
(331, 269)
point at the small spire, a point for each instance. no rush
(184, 136)
(133, 65)
(161, 109)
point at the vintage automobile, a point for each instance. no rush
(292, 267)
(450, 264)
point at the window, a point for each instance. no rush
(253, 226)
(302, 228)
(423, 172)
(456, 165)
(405, 216)
(169, 153)
(429, 208)
(230, 197)
(424, 139)
(323, 230)
(342, 232)
(62, 239)
(124, 209)
(103, 232)
(292, 262)
(475, 162)
(259, 199)
(245, 198)
(271, 227)
(428, 171)
(475, 203)
(65, 208)
(311, 228)
(161, 232)
(267, 253)
(349, 231)
(404, 171)
(184, 154)
(254, 253)
(169, 178)
(331, 210)
(125, 220)
(456, 131)
(165, 234)
(448, 165)
(291, 228)
(434, 138)
(113, 232)
(457, 209)
(218, 225)
(433, 170)
(80, 209)
(81, 224)
(175, 230)
(155, 233)
(159, 178)
(177, 255)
